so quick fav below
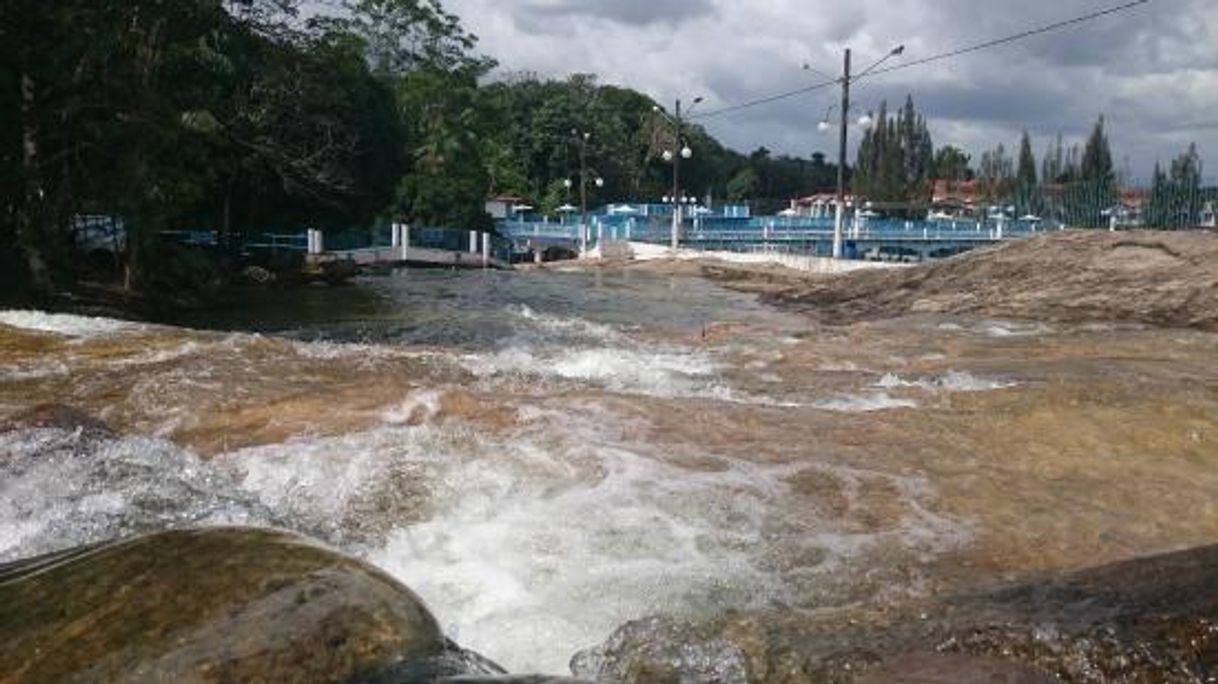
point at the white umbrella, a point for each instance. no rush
(788, 212)
(624, 209)
(566, 209)
(1030, 218)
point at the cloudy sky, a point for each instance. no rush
(1152, 71)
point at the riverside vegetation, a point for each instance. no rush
(243, 117)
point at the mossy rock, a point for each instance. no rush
(214, 605)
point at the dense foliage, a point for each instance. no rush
(250, 116)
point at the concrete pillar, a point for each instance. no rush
(486, 250)
(395, 235)
(404, 235)
(316, 243)
(473, 242)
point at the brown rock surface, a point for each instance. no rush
(226, 604)
(1158, 278)
(1147, 620)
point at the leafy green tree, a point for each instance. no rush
(952, 164)
(744, 185)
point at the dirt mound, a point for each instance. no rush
(1158, 278)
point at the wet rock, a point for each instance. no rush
(1158, 278)
(1148, 620)
(942, 668)
(58, 416)
(223, 604)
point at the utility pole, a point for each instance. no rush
(676, 178)
(583, 194)
(841, 161)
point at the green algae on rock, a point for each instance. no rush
(222, 604)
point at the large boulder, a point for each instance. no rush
(1167, 279)
(1146, 620)
(223, 604)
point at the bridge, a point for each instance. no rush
(407, 246)
(865, 238)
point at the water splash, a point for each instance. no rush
(68, 325)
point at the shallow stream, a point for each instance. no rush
(545, 456)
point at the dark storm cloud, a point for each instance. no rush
(535, 14)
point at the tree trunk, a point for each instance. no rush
(30, 219)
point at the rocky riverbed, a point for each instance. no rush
(1156, 278)
(669, 480)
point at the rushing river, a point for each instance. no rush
(545, 456)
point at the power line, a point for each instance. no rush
(1048, 28)
(1010, 39)
(766, 100)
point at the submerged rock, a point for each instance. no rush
(1148, 620)
(223, 604)
(58, 416)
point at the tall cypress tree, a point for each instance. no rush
(1027, 195)
(1026, 173)
(1097, 155)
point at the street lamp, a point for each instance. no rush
(844, 139)
(582, 140)
(679, 151)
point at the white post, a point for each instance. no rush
(676, 225)
(473, 242)
(486, 250)
(395, 235)
(316, 242)
(404, 234)
(838, 220)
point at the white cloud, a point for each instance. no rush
(1151, 70)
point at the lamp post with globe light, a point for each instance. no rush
(845, 81)
(582, 139)
(674, 156)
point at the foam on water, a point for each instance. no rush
(68, 325)
(571, 349)
(952, 381)
(60, 489)
(865, 403)
(508, 537)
